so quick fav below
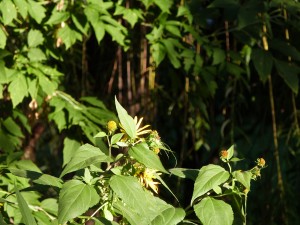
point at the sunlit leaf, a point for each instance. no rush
(70, 147)
(75, 198)
(18, 89)
(214, 212)
(209, 177)
(36, 10)
(9, 12)
(35, 38)
(244, 177)
(3, 38)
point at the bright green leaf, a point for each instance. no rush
(12, 127)
(3, 38)
(18, 89)
(68, 36)
(70, 147)
(36, 55)
(214, 212)
(75, 198)
(169, 216)
(9, 12)
(99, 30)
(58, 17)
(209, 177)
(126, 120)
(35, 38)
(144, 155)
(230, 152)
(83, 157)
(36, 10)
(22, 7)
(244, 177)
(158, 52)
(115, 138)
(27, 216)
(47, 86)
(164, 5)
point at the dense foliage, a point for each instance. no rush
(206, 74)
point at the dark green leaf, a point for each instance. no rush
(27, 216)
(12, 127)
(144, 155)
(214, 212)
(209, 177)
(285, 48)
(263, 63)
(185, 173)
(158, 52)
(75, 198)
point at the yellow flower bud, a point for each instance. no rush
(261, 162)
(112, 126)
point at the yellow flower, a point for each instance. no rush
(140, 130)
(146, 178)
(112, 126)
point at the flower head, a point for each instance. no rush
(112, 126)
(146, 177)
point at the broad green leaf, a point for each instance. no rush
(3, 78)
(115, 138)
(68, 36)
(173, 29)
(83, 157)
(173, 55)
(27, 216)
(50, 205)
(158, 52)
(12, 127)
(103, 221)
(244, 177)
(37, 177)
(75, 198)
(164, 5)
(133, 195)
(289, 72)
(286, 48)
(115, 33)
(263, 63)
(70, 147)
(144, 155)
(35, 38)
(36, 10)
(99, 30)
(46, 84)
(169, 216)
(81, 23)
(36, 55)
(185, 173)
(214, 212)
(218, 56)
(22, 7)
(127, 121)
(209, 177)
(9, 12)
(3, 38)
(58, 17)
(18, 89)
(26, 165)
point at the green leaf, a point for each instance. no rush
(18, 89)
(83, 157)
(75, 198)
(36, 10)
(185, 173)
(116, 137)
(22, 7)
(286, 48)
(68, 36)
(263, 63)
(158, 52)
(50, 205)
(99, 30)
(144, 155)
(35, 38)
(169, 216)
(9, 12)
(126, 120)
(209, 177)
(230, 152)
(289, 72)
(218, 56)
(164, 5)
(38, 178)
(36, 55)
(27, 216)
(244, 177)
(3, 38)
(70, 147)
(214, 212)
(58, 17)
(12, 127)
(173, 55)
(115, 33)
(47, 86)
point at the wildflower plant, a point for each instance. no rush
(118, 180)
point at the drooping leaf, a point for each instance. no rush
(289, 72)
(68, 36)
(144, 155)
(209, 177)
(185, 173)
(36, 10)
(158, 52)
(75, 198)
(12, 127)
(27, 216)
(244, 177)
(83, 157)
(9, 12)
(126, 120)
(263, 63)
(286, 48)
(214, 212)
(230, 152)
(164, 5)
(35, 38)
(18, 89)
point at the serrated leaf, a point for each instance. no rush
(18, 89)
(263, 63)
(158, 52)
(36, 10)
(3, 38)
(27, 216)
(75, 198)
(214, 212)
(209, 177)
(58, 17)
(70, 147)
(22, 7)
(164, 5)
(144, 155)
(68, 36)
(83, 157)
(244, 177)
(99, 30)
(47, 86)
(185, 173)
(126, 120)
(36, 55)
(35, 38)
(9, 12)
